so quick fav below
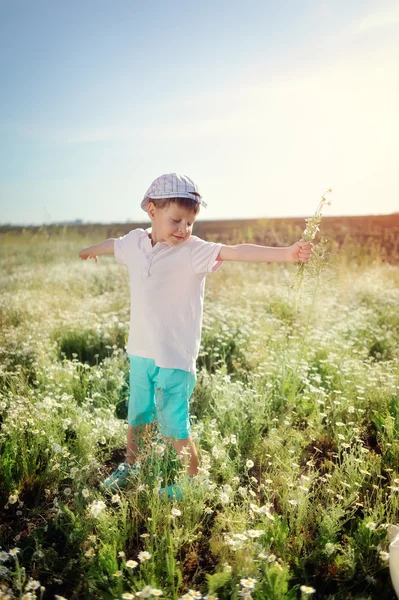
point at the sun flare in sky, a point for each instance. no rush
(265, 106)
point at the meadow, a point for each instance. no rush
(295, 415)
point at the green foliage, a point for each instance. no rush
(217, 581)
(274, 584)
(221, 351)
(89, 346)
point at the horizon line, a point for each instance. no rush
(82, 223)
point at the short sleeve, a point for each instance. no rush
(203, 256)
(125, 246)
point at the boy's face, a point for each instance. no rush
(172, 224)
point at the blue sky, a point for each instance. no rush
(265, 105)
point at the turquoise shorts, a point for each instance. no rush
(160, 395)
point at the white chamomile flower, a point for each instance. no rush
(224, 498)
(329, 548)
(144, 555)
(255, 533)
(131, 564)
(145, 592)
(227, 568)
(248, 583)
(32, 584)
(307, 589)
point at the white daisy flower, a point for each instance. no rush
(255, 533)
(131, 564)
(145, 592)
(307, 590)
(32, 584)
(144, 555)
(271, 558)
(248, 583)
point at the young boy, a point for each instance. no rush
(167, 267)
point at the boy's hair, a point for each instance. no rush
(187, 203)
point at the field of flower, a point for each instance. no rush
(295, 415)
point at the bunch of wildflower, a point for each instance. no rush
(318, 258)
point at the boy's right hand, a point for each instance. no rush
(87, 253)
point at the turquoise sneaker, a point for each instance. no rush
(120, 476)
(174, 491)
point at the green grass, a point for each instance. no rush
(295, 415)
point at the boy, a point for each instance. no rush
(167, 267)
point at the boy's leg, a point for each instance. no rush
(136, 434)
(141, 413)
(172, 397)
(141, 409)
(188, 453)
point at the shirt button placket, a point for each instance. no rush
(148, 266)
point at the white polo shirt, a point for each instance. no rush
(167, 286)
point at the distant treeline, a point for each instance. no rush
(375, 236)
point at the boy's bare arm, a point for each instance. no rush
(105, 247)
(300, 251)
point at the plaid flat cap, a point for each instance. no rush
(172, 185)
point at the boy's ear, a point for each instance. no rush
(151, 210)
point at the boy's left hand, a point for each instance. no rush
(300, 252)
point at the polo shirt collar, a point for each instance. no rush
(148, 243)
